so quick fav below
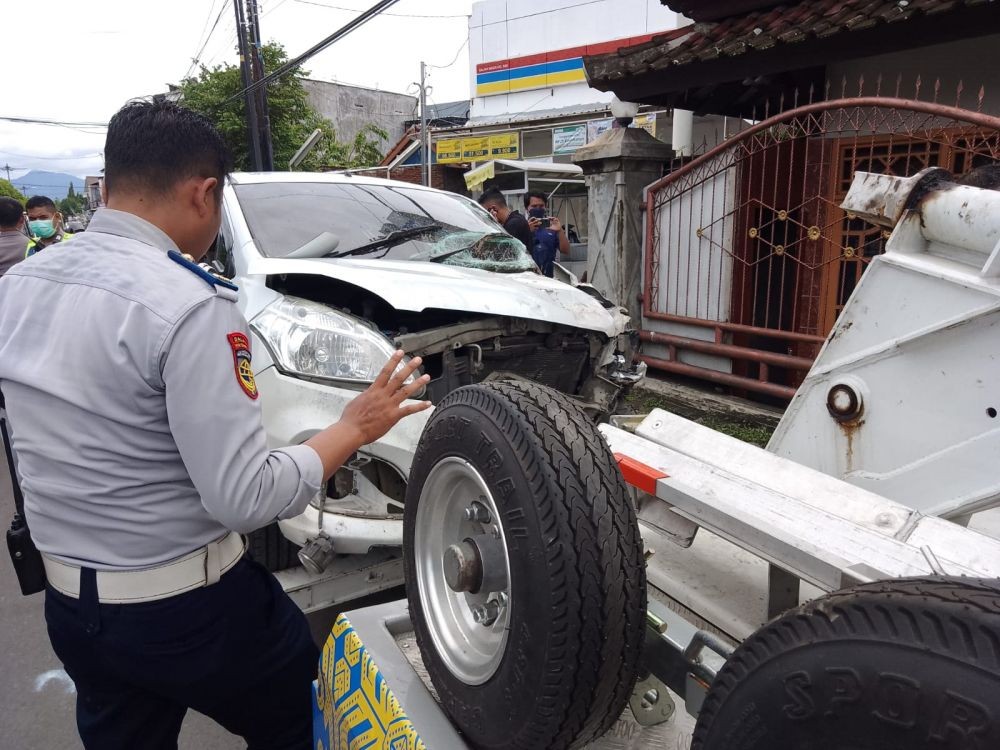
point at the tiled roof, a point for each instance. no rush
(713, 10)
(789, 23)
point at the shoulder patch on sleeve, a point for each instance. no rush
(194, 268)
(240, 345)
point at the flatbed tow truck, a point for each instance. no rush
(564, 580)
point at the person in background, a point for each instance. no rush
(512, 222)
(549, 237)
(13, 240)
(44, 224)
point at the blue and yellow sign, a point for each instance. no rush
(353, 707)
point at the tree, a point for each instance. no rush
(73, 204)
(292, 118)
(7, 190)
(71, 193)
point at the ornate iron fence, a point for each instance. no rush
(749, 257)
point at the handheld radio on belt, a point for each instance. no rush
(23, 553)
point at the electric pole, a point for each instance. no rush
(425, 141)
(6, 168)
(257, 72)
(253, 127)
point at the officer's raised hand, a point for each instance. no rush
(372, 414)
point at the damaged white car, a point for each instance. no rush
(337, 271)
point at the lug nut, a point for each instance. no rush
(477, 512)
(486, 614)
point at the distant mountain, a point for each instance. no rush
(53, 184)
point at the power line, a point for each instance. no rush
(394, 15)
(442, 67)
(197, 58)
(64, 123)
(294, 63)
(82, 157)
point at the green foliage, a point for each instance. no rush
(72, 191)
(292, 118)
(7, 190)
(73, 204)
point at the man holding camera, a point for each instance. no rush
(549, 236)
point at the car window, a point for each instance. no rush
(221, 253)
(285, 216)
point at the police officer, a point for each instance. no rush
(137, 428)
(45, 224)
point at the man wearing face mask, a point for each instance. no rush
(44, 224)
(136, 427)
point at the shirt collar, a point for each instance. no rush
(130, 226)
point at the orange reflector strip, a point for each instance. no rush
(638, 474)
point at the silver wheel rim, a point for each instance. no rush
(471, 651)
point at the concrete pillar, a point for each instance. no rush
(617, 166)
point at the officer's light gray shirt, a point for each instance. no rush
(136, 442)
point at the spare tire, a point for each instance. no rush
(524, 568)
(907, 663)
(269, 547)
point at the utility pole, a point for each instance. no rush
(6, 168)
(257, 72)
(425, 141)
(253, 127)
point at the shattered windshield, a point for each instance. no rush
(378, 221)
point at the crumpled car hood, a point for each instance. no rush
(416, 286)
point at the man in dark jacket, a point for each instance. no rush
(512, 222)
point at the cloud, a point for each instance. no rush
(51, 148)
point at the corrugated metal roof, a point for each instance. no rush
(536, 115)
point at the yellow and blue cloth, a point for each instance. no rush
(353, 707)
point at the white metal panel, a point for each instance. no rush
(496, 11)
(696, 271)
(917, 342)
(494, 44)
(476, 16)
(806, 522)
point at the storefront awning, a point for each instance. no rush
(535, 171)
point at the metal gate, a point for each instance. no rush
(749, 257)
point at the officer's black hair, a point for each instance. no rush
(493, 197)
(40, 201)
(151, 146)
(11, 212)
(535, 194)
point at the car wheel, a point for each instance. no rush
(269, 547)
(524, 568)
(908, 663)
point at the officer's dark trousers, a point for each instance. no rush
(239, 651)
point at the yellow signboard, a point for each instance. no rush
(506, 146)
(449, 151)
(482, 148)
(476, 149)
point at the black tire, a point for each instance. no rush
(269, 547)
(577, 575)
(908, 663)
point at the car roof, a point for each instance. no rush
(340, 178)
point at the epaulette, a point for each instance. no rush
(194, 268)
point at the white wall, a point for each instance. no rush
(503, 29)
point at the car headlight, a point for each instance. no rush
(315, 341)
